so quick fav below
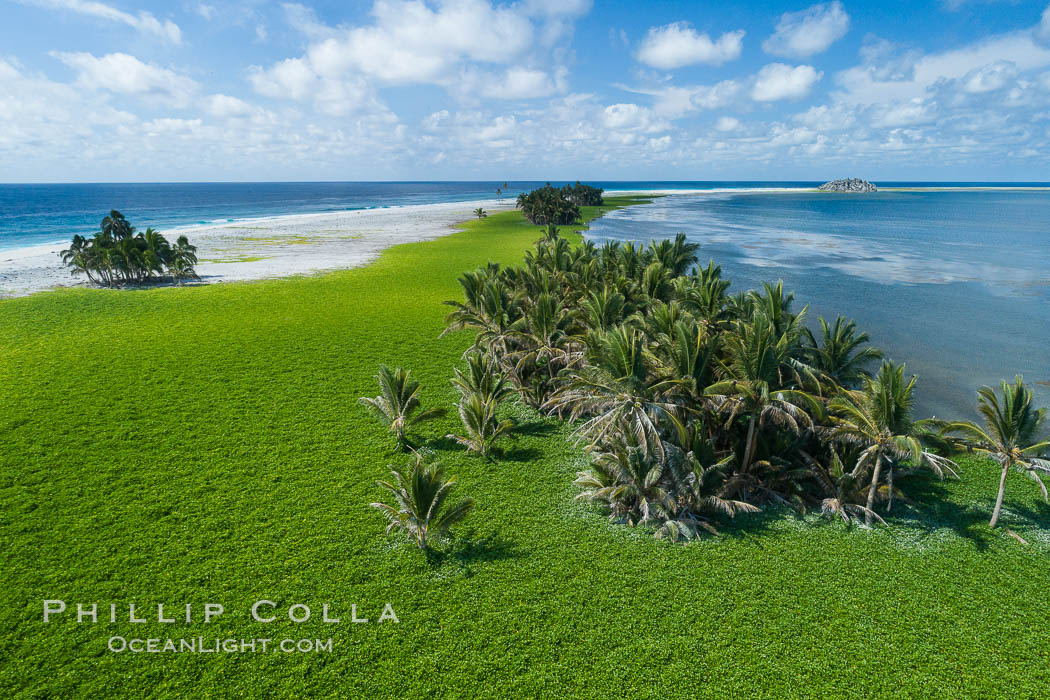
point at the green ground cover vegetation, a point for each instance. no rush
(206, 444)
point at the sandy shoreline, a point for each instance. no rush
(298, 244)
(269, 247)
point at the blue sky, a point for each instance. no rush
(126, 90)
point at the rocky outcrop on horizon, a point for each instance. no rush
(851, 184)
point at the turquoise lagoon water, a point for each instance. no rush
(954, 283)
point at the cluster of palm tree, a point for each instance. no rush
(420, 509)
(548, 205)
(482, 388)
(694, 403)
(583, 195)
(117, 255)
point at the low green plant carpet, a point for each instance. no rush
(205, 444)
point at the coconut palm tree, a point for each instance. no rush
(774, 303)
(700, 482)
(629, 478)
(763, 379)
(420, 509)
(1010, 435)
(544, 344)
(704, 293)
(115, 227)
(878, 420)
(482, 425)
(398, 406)
(183, 258)
(480, 213)
(617, 393)
(677, 495)
(839, 355)
(603, 308)
(686, 350)
(156, 251)
(483, 377)
(78, 257)
(843, 489)
(677, 256)
(493, 309)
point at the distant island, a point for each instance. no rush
(848, 185)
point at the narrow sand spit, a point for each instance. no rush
(269, 247)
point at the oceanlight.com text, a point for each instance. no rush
(203, 645)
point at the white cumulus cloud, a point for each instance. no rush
(673, 101)
(410, 43)
(728, 124)
(989, 78)
(779, 81)
(809, 31)
(678, 44)
(222, 106)
(123, 73)
(867, 84)
(292, 78)
(908, 113)
(472, 48)
(522, 84)
(631, 117)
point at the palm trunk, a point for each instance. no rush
(749, 448)
(999, 498)
(873, 488)
(889, 484)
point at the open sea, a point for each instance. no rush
(954, 283)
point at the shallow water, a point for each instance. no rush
(32, 214)
(956, 284)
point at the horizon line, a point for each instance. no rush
(415, 182)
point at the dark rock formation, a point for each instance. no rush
(848, 185)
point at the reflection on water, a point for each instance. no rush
(955, 284)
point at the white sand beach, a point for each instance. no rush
(279, 246)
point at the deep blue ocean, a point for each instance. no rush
(955, 284)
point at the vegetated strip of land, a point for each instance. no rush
(266, 247)
(205, 445)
